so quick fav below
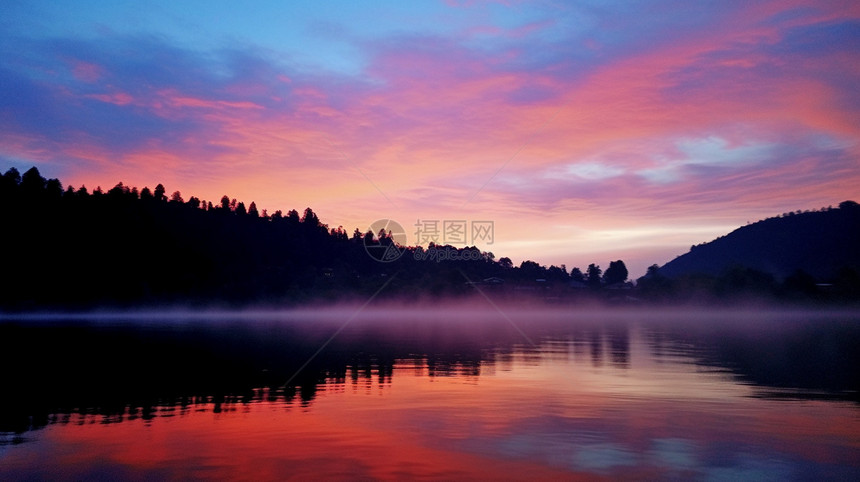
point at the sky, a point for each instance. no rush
(585, 131)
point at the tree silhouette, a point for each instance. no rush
(849, 205)
(32, 183)
(557, 273)
(310, 218)
(594, 275)
(54, 189)
(615, 273)
(11, 178)
(530, 270)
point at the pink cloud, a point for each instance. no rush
(119, 98)
(87, 72)
(177, 101)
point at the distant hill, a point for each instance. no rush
(821, 243)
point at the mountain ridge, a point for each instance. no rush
(820, 243)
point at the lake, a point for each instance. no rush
(407, 393)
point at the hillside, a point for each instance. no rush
(72, 249)
(821, 243)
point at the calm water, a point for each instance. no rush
(454, 394)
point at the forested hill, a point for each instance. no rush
(67, 248)
(820, 243)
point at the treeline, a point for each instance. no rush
(75, 249)
(740, 283)
(67, 248)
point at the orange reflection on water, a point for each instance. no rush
(261, 441)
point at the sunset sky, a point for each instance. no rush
(586, 131)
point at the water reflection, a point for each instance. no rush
(63, 367)
(640, 397)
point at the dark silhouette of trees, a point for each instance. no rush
(32, 182)
(172, 251)
(78, 249)
(594, 276)
(615, 273)
(849, 205)
(531, 270)
(800, 283)
(557, 274)
(11, 179)
(739, 279)
(654, 286)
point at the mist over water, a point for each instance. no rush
(422, 390)
(462, 309)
